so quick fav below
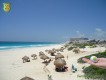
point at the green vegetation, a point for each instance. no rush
(70, 48)
(93, 46)
(81, 45)
(92, 72)
(98, 55)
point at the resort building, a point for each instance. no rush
(79, 40)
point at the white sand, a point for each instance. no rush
(13, 68)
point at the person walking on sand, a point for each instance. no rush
(101, 62)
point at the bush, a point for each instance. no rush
(83, 45)
(93, 72)
(99, 55)
(70, 48)
(80, 45)
(93, 46)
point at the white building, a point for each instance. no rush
(79, 40)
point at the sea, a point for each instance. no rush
(14, 45)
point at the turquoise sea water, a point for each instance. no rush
(13, 45)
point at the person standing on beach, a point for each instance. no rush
(67, 57)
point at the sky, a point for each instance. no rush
(52, 20)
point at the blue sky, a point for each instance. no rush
(52, 20)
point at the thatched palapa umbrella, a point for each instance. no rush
(46, 50)
(54, 49)
(60, 63)
(76, 50)
(51, 52)
(44, 57)
(59, 55)
(61, 49)
(26, 78)
(25, 59)
(41, 53)
(34, 56)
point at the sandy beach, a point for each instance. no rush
(13, 68)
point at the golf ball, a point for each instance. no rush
(93, 58)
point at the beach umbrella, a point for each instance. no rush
(34, 55)
(41, 53)
(26, 59)
(59, 62)
(51, 52)
(26, 78)
(44, 57)
(54, 49)
(46, 50)
(76, 50)
(61, 49)
(59, 55)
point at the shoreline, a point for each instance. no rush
(28, 47)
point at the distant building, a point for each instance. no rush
(79, 40)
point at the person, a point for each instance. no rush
(62, 69)
(65, 68)
(101, 62)
(74, 69)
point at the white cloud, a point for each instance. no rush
(99, 34)
(98, 30)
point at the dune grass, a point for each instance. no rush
(81, 45)
(92, 72)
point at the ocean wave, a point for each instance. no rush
(3, 47)
(23, 46)
(9, 47)
(35, 45)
